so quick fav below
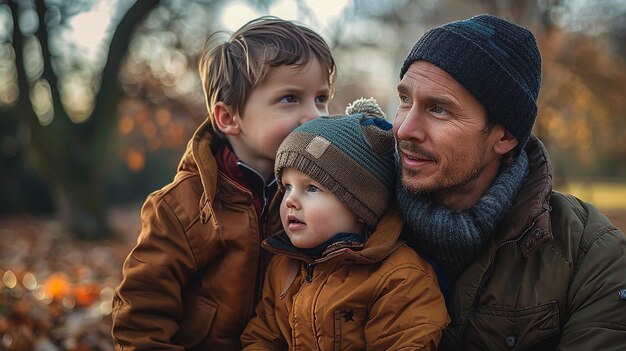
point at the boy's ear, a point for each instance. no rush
(506, 141)
(225, 119)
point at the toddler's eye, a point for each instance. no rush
(288, 187)
(313, 189)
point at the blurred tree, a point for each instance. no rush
(21, 188)
(71, 116)
(583, 99)
(69, 142)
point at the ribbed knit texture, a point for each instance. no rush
(350, 155)
(497, 61)
(453, 238)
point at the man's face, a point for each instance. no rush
(441, 138)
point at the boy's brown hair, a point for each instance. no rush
(230, 70)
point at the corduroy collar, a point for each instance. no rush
(530, 212)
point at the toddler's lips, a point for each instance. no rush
(294, 222)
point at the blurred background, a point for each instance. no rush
(99, 97)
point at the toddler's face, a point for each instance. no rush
(290, 96)
(311, 214)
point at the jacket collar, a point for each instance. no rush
(198, 158)
(528, 221)
(381, 243)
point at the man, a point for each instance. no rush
(523, 267)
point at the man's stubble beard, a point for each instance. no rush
(448, 184)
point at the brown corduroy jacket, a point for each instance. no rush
(380, 296)
(189, 283)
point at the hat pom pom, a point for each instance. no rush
(365, 106)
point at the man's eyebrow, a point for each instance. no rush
(438, 99)
(402, 88)
(444, 100)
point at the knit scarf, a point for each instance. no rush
(456, 238)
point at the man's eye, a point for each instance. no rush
(290, 99)
(438, 109)
(404, 99)
(312, 188)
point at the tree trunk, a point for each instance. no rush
(72, 157)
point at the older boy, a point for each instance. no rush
(192, 281)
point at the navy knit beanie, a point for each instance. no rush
(351, 155)
(497, 61)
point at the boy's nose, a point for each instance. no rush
(312, 111)
(308, 117)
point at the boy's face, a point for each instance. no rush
(289, 96)
(311, 214)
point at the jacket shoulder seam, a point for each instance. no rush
(173, 185)
(184, 230)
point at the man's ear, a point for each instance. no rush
(506, 141)
(225, 119)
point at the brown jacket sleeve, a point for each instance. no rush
(147, 304)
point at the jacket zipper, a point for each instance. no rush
(486, 277)
(263, 228)
(309, 272)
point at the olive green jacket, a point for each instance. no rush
(553, 278)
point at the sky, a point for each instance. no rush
(89, 28)
(237, 13)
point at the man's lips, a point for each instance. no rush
(412, 155)
(414, 160)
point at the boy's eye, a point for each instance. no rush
(289, 99)
(322, 99)
(312, 188)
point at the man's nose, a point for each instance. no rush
(409, 126)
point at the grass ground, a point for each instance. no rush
(605, 195)
(609, 197)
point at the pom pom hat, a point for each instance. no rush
(350, 155)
